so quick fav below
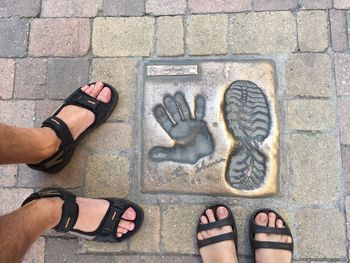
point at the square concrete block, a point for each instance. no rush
(314, 232)
(311, 114)
(170, 36)
(13, 37)
(150, 230)
(36, 252)
(207, 34)
(107, 176)
(117, 36)
(12, 199)
(7, 71)
(29, 8)
(17, 113)
(342, 73)
(338, 30)
(313, 30)
(30, 79)
(8, 175)
(165, 7)
(218, 6)
(124, 7)
(279, 33)
(344, 110)
(121, 74)
(305, 76)
(68, 8)
(315, 168)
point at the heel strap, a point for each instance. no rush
(61, 129)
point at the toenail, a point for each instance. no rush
(104, 92)
(221, 211)
(129, 213)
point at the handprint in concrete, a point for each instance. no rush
(191, 136)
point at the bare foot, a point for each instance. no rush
(222, 252)
(271, 255)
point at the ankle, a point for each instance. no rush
(47, 143)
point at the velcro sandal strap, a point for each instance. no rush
(70, 211)
(80, 98)
(111, 219)
(271, 230)
(274, 245)
(220, 223)
(216, 239)
(61, 129)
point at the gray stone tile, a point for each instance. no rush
(7, 71)
(264, 5)
(68, 8)
(12, 199)
(124, 7)
(344, 110)
(218, 6)
(60, 250)
(338, 30)
(8, 175)
(342, 73)
(315, 4)
(13, 37)
(341, 4)
(29, 8)
(170, 36)
(165, 7)
(346, 168)
(65, 75)
(36, 252)
(93, 247)
(17, 113)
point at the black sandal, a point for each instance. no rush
(255, 229)
(65, 152)
(106, 231)
(228, 221)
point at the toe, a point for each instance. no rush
(221, 212)
(129, 214)
(261, 219)
(204, 220)
(105, 95)
(279, 223)
(210, 215)
(85, 88)
(272, 220)
(127, 225)
(89, 89)
(200, 236)
(97, 89)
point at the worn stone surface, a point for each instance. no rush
(315, 4)
(207, 34)
(217, 6)
(165, 7)
(315, 169)
(30, 8)
(314, 233)
(30, 78)
(312, 115)
(8, 175)
(346, 168)
(86, 246)
(170, 36)
(17, 113)
(263, 5)
(107, 176)
(61, 250)
(132, 36)
(150, 231)
(305, 77)
(36, 253)
(59, 37)
(67, 8)
(124, 7)
(13, 37)
(279, 33)
(344, 110)
(121, 74)
(341, 4)
(65, 75)
(7, 71)
(338, 30)
(342, 73)
(12, 199)
(312, 30)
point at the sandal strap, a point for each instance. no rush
(220, 223)
(70, 211)
(274, 245)
(112, 219)
(81, 99)
(270, 230)
(216, 239)
(61, 129)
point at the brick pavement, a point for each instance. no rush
(48, 48)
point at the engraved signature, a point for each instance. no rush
(202, 166)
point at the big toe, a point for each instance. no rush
(221, 212)
(261, 219)
(105, 95)
(129, 214)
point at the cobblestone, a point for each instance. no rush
(341, 4)
(30, 8)
(132, 36)
(315, 4)
(170, 36)
(13, 37)
(217, 6)
(12, 199)
(17, 113)
(59, 37)
(312, 30)
(8, 175)
(342, 73)
(207, 34)
(165, 7)
(7, 71)
(67, 8)
(305, 77)
(124, 7)
(344, 109)
(346, 169)
(264, 5)
(30, 78)
(279, 33)
(338, 30)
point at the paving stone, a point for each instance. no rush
(30, 79)
(100, 247)
(263, 5)
(117, 36)
(207, 34)
(120, 73)
(44, 109)
(69, 177)
(347, 204)
(13, 37)
(122, 259)
(107, 176)
(279, 33)
(314, 233)
(305, 77)
(68, 8)
(61, 250)
(179, 228)
(36, 253)
(315, 169)
(110, 138)
(181, 259)
(348, 20)
(218, 6)
(312, 30)
(346, 169)
(29, 8)
(60, 37)
(7, 71)
(170, 36)
(65, 75)
(124, 7)
(17, 113)
(165, 7)
(8, 175)
(338, 30)
(341, 4)
(342, 73)
(150, 230)
(313, 115)
(12, 199)
(344, 110)
(315, 4)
